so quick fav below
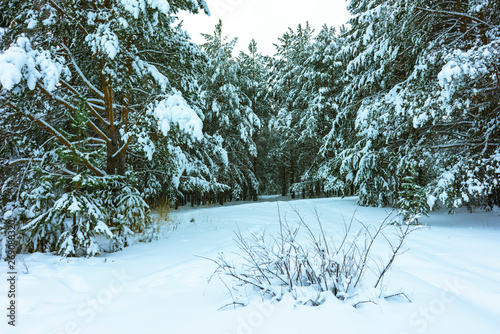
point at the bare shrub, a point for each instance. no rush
(274, 266)
(162, 222)
(164, 209)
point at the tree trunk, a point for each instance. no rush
(463, 22)
(284, 190)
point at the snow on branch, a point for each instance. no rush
(59, 137)
(83, 77)
(104, 41)
(20, 161)
(175, 110)
(457, 14)
(20, 62)
(136, 7)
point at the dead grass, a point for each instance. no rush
(164, 209)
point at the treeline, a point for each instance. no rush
(108, 108)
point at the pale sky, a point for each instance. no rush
(264, 20)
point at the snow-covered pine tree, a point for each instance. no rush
(253, 77)
(421, 92)
(468, 115)
(378, 49)
(184, 163)
(290, 102)
(321, 74)
(119, 63)
(229, 116)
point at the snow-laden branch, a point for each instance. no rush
(61, 139)
(82, 76)
(20, 161)
(64, 13)
(56, 98)
(20, 61)
(140, 91)
(176, 110)
(99, 132)
(92, 108)
(89, 106)
(445, 12)
(123, 148)
(157, 52)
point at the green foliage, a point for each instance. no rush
(229, 117)
(412, 197)
(419, 89)
(74, 220)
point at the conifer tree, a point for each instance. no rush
(253, 76)
(93, 77)
(321, 74)
(290, 101)
(416, 95)
(229, 117)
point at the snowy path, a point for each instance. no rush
(451, 273)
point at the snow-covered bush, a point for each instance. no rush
(74, 219)
(69, 226)
(309, 271)
(127, 213)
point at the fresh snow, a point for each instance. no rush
(104, 40)
(135, 7)
(21, 61)
(176, 110)
(451, 272)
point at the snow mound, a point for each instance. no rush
(496, 210)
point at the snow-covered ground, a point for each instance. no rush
(451, 273)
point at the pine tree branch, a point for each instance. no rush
(99, 132)
(82, 76)
(20, 161)
(157, 52)
(140, 91)
(56, 98)
(123, 148)
(96, 114)
(59, 137)
(457, 14)
(64, 13)
(90, 106)
(73, 108)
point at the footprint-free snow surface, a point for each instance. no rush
(450, 272)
